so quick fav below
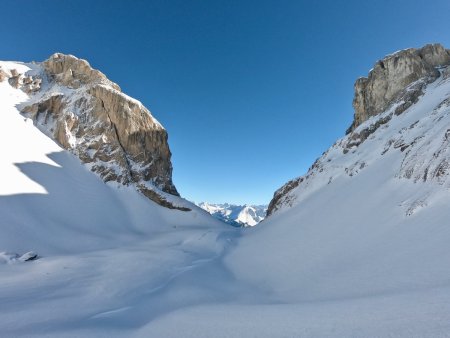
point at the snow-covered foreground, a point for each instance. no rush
(361, 255)
(110, 259)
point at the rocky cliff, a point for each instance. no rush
(390, 78)
(113, 134)
(394, 88)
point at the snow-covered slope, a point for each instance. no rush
(357, 247)
(49, 200)
(104, 248)
(236, 215)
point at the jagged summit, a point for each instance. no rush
(86, 113)
(401, 113)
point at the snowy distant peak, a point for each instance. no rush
(250, 215)
(413, 130)
(113, 134)
(237, 215)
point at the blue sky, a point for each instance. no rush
(251, 92)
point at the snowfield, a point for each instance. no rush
(356, 250)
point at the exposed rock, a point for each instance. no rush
(28, 84)
(356, 138)
(157, 198)
(115, 135)
(390, 76)
(15, 81)
(3, 74)
(281, 196)
(395, 84)
(73, 72)
(446, 73)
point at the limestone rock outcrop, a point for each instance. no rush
(113, 134)
(73, 72)
(393, 74)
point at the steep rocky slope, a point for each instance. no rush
(393, 87)
(113, 134)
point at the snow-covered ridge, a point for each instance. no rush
(236, 215)
(416, 141)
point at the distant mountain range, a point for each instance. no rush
(236, 215)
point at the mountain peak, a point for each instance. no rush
(400, 111)
(237, 215)
(392, 75)
(87, 114)
(73, 72)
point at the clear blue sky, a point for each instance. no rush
(251, 92)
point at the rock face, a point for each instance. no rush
(412, 81)
(72, 72)
(281, 196)
(113, 134)
(390, 77)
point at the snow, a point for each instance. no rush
(16, 149)
(102, 248)
(361, 252)
(12, 258)
(236, 215)
(249, 216)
